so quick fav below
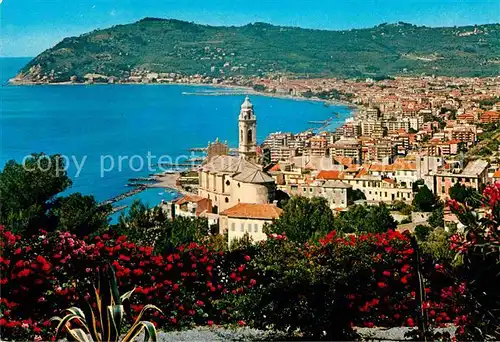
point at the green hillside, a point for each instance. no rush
(173, 46)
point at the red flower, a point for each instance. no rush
(253, 282)
(210, 323)
(241, 323)
(386, 273)
(247, 258)
(18, 251)
(138, 272)
(410, 322)
(381, 284)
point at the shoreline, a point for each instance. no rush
(248, 90)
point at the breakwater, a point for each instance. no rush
(118, 208)
(132, 192)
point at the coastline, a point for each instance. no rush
(248, 90)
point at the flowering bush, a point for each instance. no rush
(315, 291)
(479, 247)
(47, 273)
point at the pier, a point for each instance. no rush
(138, 189)
(198, 149)
(143, 179)
(118, 208)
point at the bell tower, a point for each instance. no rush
(247, 125)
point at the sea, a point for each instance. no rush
(105, 131)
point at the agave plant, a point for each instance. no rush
(104, 324)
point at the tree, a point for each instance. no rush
(80, 214)
(424, 199)
(304, 219)
(422, 231)
(151, 226)
(28, 192)
(436, 219)
(464, 194)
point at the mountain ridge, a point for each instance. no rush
(257, 49)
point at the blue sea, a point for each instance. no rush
(105, 122)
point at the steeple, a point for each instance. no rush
(247, 125)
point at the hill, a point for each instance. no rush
(173, 46)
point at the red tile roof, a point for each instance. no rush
(253, 211)
(330, 174)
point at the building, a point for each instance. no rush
(217, 148)
(474, 175)
(248, 218)
(191, 206)
(347, 148)
(229, 180)
(247, 125)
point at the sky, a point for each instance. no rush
(28, 27)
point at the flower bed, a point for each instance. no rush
(368, 280)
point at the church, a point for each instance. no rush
(230, 180)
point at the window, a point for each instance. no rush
(256, 228)
(228, 182)
(242, 227)
(239, 185)
(249, 136)
(310, 189)
(442, 189)
(226, 200)
(233, 227)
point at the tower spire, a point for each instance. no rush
(247, 125)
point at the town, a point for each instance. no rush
(405, 133)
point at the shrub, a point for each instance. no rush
(479, 248)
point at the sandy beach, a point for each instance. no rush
(167, 181)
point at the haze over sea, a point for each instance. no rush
(127, 120)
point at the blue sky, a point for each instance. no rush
(27, 27)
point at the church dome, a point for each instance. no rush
(247, 104)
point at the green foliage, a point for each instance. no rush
(437, 244)
(356, 195)
(81, 215)
(160, 45)
(424, 199)
(416, 185)
(422, 232)
(104, 322)
(464, 194)
(436, 219)
(362, 218)
(29, 190)
(304, 219)
(402, 207)
(151, 226)
(296, 295)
